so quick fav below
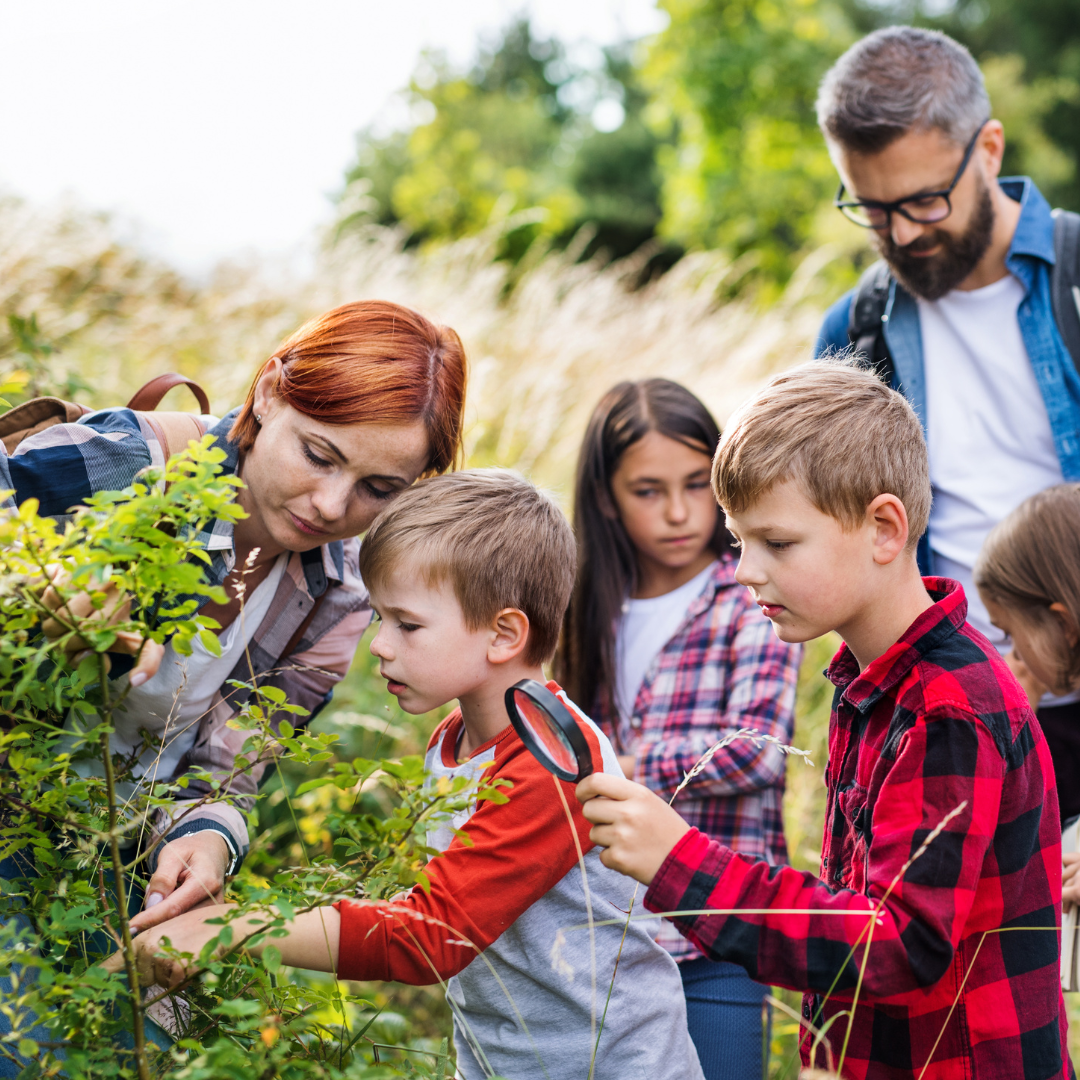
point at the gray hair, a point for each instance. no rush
(897, 80)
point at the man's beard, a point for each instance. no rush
(932, 277)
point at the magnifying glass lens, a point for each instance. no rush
(547, 735)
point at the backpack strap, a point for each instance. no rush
(174, 430)
(1065, 280)
(148, 397)
(865, 322)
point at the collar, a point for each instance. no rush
(455, 728)
(864, 690)
(1034, 235)
(321, 565)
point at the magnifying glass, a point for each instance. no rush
(549, 730)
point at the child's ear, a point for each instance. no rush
(1068, 623)
(888, 518)
(510, 635)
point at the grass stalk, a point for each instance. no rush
(138, 1029)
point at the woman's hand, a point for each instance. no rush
(1070, 879)
(190, 874)
(636, 827)
(77, 608)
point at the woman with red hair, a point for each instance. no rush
(348, 412)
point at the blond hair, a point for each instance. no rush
(838, 431)
(495, 538)
(1032, 560)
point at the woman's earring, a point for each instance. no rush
(258, 418)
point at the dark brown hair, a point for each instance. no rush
(371, 362)
(607, 560)
(1032, 560)
(499, 541)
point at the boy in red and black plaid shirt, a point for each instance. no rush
(936, 913)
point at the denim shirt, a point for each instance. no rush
(1030, 258)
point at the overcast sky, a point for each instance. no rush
(220, 127)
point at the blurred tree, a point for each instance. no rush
(533, 126)
(1014, 41)
(735, 80)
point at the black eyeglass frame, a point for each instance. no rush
(888, 208)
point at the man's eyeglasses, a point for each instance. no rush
(922, 209)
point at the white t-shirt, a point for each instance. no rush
(169, 706)
(645, 628)
(987, 428)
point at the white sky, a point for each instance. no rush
(220, 127)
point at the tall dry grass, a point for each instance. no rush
(545, 340)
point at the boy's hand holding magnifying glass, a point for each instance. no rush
(634, 825)
(636, 828)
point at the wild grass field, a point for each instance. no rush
(545, 338)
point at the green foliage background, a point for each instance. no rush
(718, 147)
(496, 210)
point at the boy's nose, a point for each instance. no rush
(378, 646)
(747, 574)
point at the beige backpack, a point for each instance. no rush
(173, 429)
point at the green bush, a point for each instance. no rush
(82, 847)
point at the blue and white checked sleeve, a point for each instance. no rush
(64, 465)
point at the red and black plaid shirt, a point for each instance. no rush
(962, 977)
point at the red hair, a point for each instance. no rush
(371, 362)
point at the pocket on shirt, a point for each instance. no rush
(854, 839)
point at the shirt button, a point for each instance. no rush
(635, 721)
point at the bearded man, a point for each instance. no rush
(959, 315)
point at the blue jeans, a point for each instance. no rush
(17, 867)
(723, 1012)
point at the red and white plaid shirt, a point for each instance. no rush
(722, 670)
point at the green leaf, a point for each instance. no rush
(210, 642)
(28, 1048)
(271, 958)
(311, 785)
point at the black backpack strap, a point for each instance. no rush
(865, 327)
(1065, 280)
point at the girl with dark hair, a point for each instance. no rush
(672, 654)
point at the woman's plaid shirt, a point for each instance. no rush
(722, 670)
(962, 976)
(65, 464)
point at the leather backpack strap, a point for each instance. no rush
(1065, 280)
(174, 430)
(148, 397)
